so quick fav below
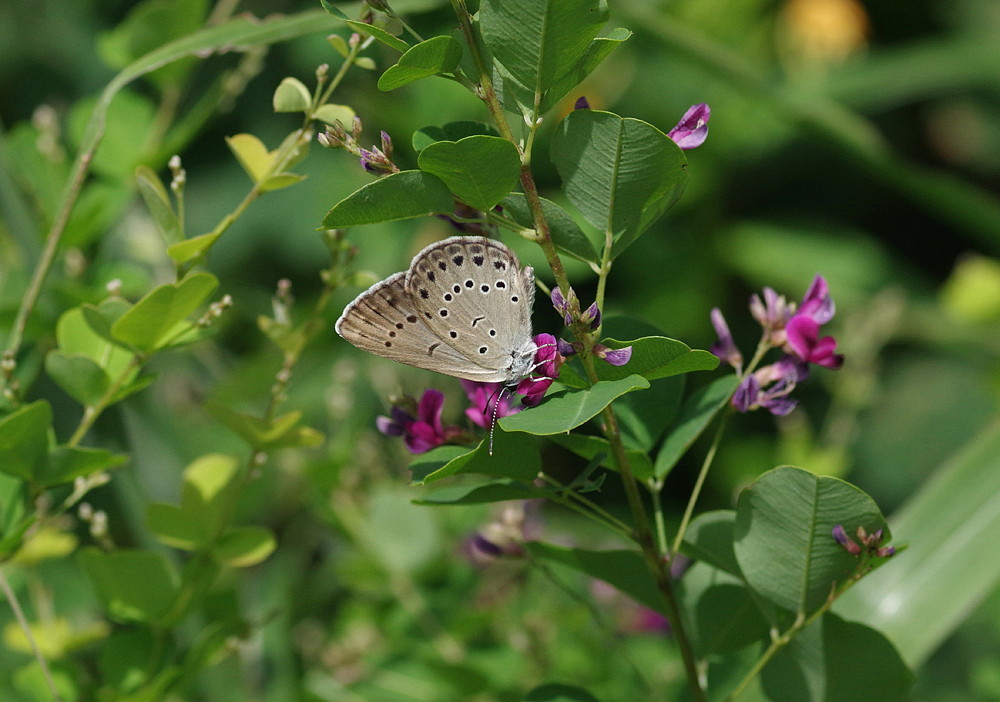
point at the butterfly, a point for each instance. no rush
(463, 308)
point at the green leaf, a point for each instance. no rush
(590, 447)
(783, 535)
(538, 41)
(695, 415)
(172, 526)
(280, 432)
(479, 169)
(208, 496)
(211, 488)
(495, 491)
(397, 196)
(67, 463)
(241, 547)
(291, 95)
(379, 34)
(148, 26)
(193, 248)
(252, 155)
(556, 692)
(435, 55)
(621, 173)
(566, 234)
(709, 538)
(626, 570)
(514, 456)
(159, 318)
(837, 661)
(333, 10)
(598, 50)
(331, 113)
(279, 181)
(158, 202)
(240, 31)
(721, 614)
(86, 330)
(130, 120)
(78, 375)
(926, 593)
(402, 536)
(569, 409)
(132, 585)
(24, 441)
(452, 131)
(656, 357)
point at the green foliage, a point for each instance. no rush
(459, 165)
(428, 58)
(621, 173)
(398, 196)
(539, 42)
(113, 253)
(783, 536)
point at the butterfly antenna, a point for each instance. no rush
(496, 396)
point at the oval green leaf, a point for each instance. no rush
(538, 41)
(24, 440)
(241, 547)
(514, 456)
(569, 409)
(621, 173)
(783, 535)
(398, 196)
(291, 96)
(133, 585)
(436, 55)
(655, 357)
(481, 170)
(160, 317)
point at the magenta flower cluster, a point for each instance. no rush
(795, 329)
(420, 424)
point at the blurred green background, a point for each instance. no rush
(859, 140)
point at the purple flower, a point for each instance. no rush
(840, 535)
(802, 330)
(616, 357)
(581, 103)
(692, 130)
(867, 544)
(725, 348)
(423, 432)
(488, 401)
(562, 304)
(548, 358)
(772, 314)
(750, 396)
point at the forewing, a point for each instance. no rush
(383, 321)
(474, 294)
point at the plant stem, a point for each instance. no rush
(22, 621)
(699, 483)
(92, 412)
(578, 503)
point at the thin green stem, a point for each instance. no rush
(22, 621)
(699, 483)
(586, 507)
(654, 487)
(48, 256)
(92, 412)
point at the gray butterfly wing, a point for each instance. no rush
(383, 321)
(474, 295)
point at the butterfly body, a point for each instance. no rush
(463, 308)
